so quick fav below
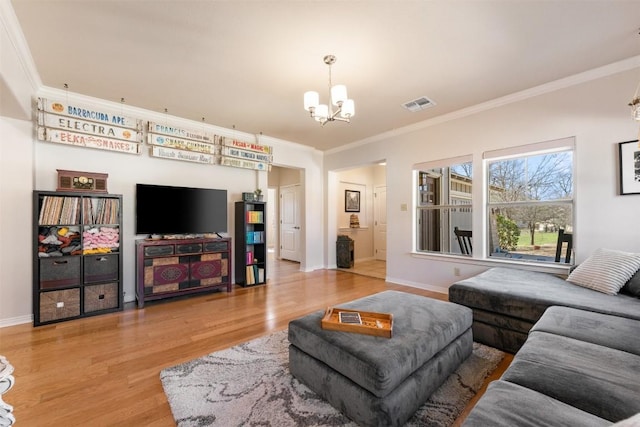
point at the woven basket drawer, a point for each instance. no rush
(101, 268)
(62, 304)
(100, 297)
(56, 272)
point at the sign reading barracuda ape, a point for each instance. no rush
(71, 124)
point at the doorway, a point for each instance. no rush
(366, 223)
(290, 220)
(286, 199)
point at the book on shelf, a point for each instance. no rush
(59, 210)
(255, 217)
(255, 237)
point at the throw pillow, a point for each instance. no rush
(606, 270)
(633, 285)
(629, 422)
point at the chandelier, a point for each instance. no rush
(324, 113)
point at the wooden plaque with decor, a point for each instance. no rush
(377, 324)
(82, 181)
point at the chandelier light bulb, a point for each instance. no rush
(311, 100)
(338, 94)
(322, 112)
(348, 109)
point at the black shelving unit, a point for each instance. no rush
(250, 243)
(77, 257)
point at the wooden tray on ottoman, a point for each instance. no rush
(377, 324)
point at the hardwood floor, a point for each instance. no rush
(104, 370)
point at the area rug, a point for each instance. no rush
(250, 385)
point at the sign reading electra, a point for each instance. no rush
(77, 125)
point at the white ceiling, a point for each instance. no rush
(247, 63)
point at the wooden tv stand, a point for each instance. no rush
(171, 267)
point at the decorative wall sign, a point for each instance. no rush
(70, 124)
(92, 127)
(351, 201)
(247, 145)
(247, 155)
(181, 144)
(194, 135)
(89, 141)
(54, 121)
(629, 167)
(92, 114)
(245, 164)
(187, 156)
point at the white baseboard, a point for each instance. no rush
(12, 321)
(418, 285)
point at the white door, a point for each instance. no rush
(380, 222)
(290, 222)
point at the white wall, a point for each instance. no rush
(595, 112)
(29, 164)
(17, 83)
(16, 185)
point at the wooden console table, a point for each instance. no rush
(171, 267)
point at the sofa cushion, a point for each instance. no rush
(632, 287)
(629, 422)
(606, 270)
(505, 404)
(596, 328)
(527, 294)
(596, 379)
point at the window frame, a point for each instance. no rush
(524, 152)
(443, 208)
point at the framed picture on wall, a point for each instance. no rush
(629, 167)
(351, 201)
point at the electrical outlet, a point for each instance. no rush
(456, 271)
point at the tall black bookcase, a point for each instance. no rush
(250, 243)
(77, 258)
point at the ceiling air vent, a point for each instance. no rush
(419, 104)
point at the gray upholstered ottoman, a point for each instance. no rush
(379, 381)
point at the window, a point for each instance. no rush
(444, 206)
(529, 200)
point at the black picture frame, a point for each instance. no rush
(351, 201)
(629, 167)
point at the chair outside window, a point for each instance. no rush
(564, 238)
(464, 240)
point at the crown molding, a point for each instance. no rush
(19, 43)
(576, 79)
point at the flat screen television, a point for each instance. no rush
(166, 210)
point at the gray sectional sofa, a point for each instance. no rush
(507, 302)
(577, 360)
(577, 368)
